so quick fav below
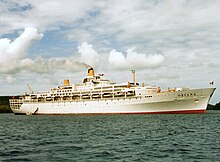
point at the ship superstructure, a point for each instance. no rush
(97, 95)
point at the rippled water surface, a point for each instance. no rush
(186, 137)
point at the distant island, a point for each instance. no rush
(5, 108)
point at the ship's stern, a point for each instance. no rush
(15, 105)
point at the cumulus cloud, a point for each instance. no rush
(88, 54)
(13, 52)
(14, 59)
(134, 60)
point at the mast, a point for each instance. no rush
(133, 76)
(30, 89)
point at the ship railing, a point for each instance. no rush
(81, 97)
(15, 101)
(89, 95)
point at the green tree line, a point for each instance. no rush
(4, 104)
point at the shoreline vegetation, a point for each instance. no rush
(5, 108)
(4, 104)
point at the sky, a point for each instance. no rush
(169, 43)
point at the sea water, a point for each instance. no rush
(174, 137)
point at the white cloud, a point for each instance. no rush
(139, 18)
(44, 15)
(117, 59)
(10, 79)
(88, 54)
(14, 57)
(13, 52)
(134, 60)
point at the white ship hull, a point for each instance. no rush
(187, 101)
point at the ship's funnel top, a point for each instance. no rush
(66, 82)
(91, 72)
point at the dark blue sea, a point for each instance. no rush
(180, 137)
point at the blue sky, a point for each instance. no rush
(170, 43)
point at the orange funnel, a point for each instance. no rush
(91, 72)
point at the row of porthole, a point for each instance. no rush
(187, 94)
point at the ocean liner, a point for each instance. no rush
(97, 95)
